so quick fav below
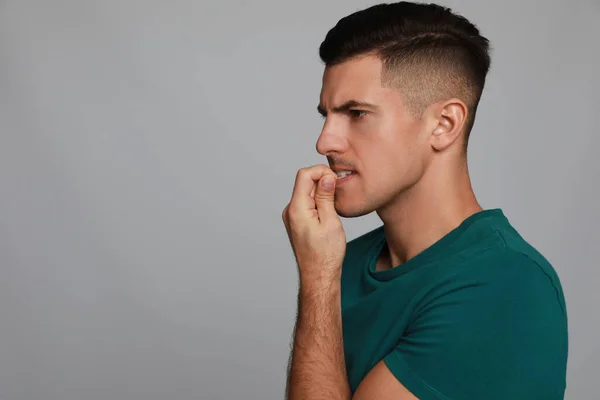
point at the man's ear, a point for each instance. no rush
(450, 116)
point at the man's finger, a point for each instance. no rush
(306, 181)
(325, 198)
(286, 223)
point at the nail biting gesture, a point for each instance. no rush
(313, 225)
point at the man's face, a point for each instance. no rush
(381, 142)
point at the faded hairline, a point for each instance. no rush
(425, 77)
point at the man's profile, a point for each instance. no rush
(445, 300)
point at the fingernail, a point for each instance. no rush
(327, 182)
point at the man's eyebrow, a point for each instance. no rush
(347, 106)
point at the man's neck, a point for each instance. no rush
(436, 205)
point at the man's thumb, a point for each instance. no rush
(324, 196)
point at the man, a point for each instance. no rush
(445, 300)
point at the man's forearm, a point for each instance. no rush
(318, 369)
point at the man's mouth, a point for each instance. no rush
(343, 174)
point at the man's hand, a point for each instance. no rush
(314, 227)
(317, 369)
(317, 366)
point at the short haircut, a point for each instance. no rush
(428, 52)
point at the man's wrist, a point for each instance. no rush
(322, 276)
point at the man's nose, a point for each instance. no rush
(331, 141)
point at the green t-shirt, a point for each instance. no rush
(478, 315)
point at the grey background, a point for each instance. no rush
(149, 147)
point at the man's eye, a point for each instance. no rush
(356, 113)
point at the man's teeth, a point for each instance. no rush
(343, 174)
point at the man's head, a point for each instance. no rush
(421, 70)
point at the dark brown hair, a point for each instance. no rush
(428, 52)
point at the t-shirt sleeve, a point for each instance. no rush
(496, 329)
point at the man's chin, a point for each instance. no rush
(350, 211)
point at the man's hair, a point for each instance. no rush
(428, 52)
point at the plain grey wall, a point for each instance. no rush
(149, 147)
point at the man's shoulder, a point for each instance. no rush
(517, 255)
(509, 273)
(506, 257)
